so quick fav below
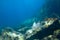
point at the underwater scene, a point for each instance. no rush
(29, 19)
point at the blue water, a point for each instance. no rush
(14, 12)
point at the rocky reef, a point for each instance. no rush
(45, 30)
